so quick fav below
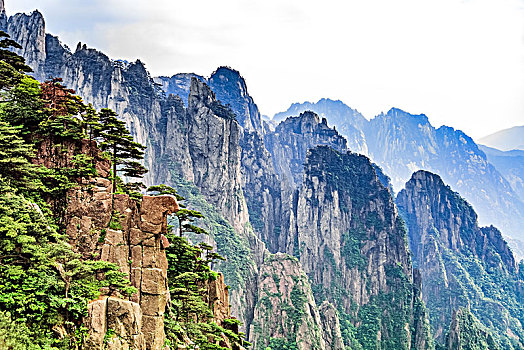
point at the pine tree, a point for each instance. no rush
(16, 170)
(61, 106)
(23, 106)
(11, 64)
(59, 100)
(119, 144)
(90, 122)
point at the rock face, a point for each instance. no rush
(178, 85)
(291, 140)
(467, 333)
(29, 32)
(330, 326)
(215, 150)
(231, 89)
(349, 122)
(114, 324)
(131, 236)
(286, 315)
(261, 186)
(461, 264)
(352, 245)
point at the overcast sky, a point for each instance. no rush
(461, 62)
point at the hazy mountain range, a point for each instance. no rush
(505, 140)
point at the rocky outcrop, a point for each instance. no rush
(29, 32)
(466, 332)
(114, 324)
(178, 85)
(330, 326)
(261, 186)
(349, 122)
(286, 315)
(461, 264)
(352, 245)
(231, 89)
(291, 140)
(215, 152)
(120, 231)
(117, 229)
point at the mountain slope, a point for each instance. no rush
(401, 143)
(404, 143)
(349, 122)
(511, 166)
(462, 264)
(505, 140)
(351, 243)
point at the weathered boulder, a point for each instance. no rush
(114, 324)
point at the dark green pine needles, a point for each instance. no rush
(119, 144)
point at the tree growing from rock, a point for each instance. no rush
(117, 141)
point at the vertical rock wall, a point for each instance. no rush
(286, 315)
(461, 264)
(131, 235)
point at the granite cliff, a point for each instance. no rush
(351, 243)
(462, 264)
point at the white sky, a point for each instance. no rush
(461, 62)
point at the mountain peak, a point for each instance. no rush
(505, 140)
(226, 70)
(427, 175)
(229, 75)
(397, 112)
(2, 6)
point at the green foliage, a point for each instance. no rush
(469, 334)
(165, 190)
(281, 344)
(190, 312)
(11, 65)
(44, 286)
(352, 243)
(15, 335)
(24, 107)
(42, 282)
(16, 170)
(114, 223)
(110, 333)
(118, 143)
